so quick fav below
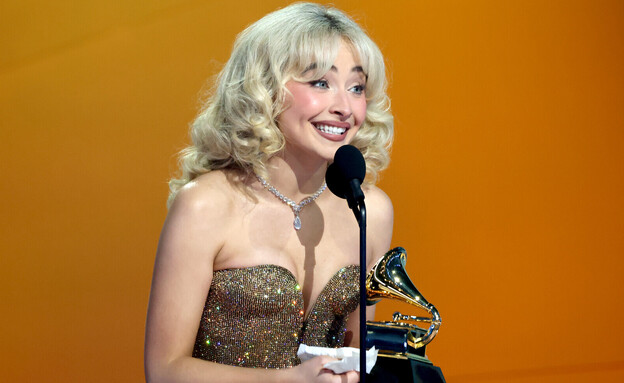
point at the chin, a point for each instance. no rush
(329, 154)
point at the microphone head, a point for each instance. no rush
(348, 165)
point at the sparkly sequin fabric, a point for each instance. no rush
(254, 317)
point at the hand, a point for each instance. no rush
(313, 371)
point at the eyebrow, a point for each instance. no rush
(357, 69)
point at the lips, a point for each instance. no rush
(332, 130)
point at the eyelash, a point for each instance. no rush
(324, 85)
(361, 89)
(317, 84)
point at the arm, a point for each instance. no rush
(378, 237)
(193, 234)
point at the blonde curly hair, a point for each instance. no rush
(237, 129)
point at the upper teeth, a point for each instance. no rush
(330, 129)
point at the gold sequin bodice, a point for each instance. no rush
(254, 316)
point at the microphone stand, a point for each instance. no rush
(362, 223)
(356, 203)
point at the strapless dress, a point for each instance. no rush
(254, 316)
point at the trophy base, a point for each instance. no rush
(404, 369)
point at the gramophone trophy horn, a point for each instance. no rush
(389, 280)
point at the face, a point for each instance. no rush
(324, 114)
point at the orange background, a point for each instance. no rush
(507, 175)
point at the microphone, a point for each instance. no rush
(345, 175)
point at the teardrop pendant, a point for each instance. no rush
(297, 222)
(296, 207)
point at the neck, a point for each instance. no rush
(295, 179)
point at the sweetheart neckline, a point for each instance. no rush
(292, 275)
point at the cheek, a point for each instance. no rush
(301, 104)
(304, 101)
(359, 111)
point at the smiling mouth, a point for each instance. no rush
(331, 129)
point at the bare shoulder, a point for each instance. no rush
(380, 220)
(204, 193)
(379, 204)
(201, 209)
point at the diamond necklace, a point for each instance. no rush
(296, 207)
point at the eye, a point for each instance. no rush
(358, 89)
(322, 84)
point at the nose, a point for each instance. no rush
(341, 105)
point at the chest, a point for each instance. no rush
(264, 234)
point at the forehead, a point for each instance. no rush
(324, 57)
(347, 53)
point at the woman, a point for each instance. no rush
(244, 272)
